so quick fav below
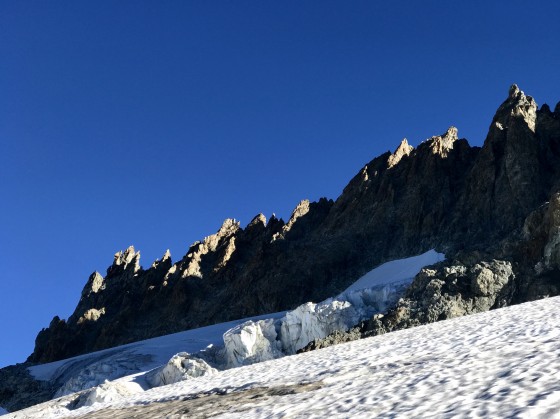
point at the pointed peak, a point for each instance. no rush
(404, 149)
(258, 220)
(442, 144)
(229, 227)
(302, 206)
(274, 222)
(165, 258)
(452, 133)
(122, 260)
(517, 105)
(94, 284)
(514, 91)
(300, 210)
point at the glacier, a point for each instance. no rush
(204, 351)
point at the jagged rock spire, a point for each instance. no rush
(226, 235)
(299, 211)
(442, 144)
(123, 260)
(404, 149)
(165, 258)
(94, 284)
(258, 220)
(517, 105)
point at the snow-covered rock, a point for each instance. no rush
(180, 367)
(3, 411)
(251, 342)
(109, 391)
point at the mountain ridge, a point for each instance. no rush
(442, 194)
(475, 204)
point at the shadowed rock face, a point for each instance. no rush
(444, 194)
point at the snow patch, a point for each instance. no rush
(3, 411)
(396, 271)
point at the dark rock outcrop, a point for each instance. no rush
(18, 389)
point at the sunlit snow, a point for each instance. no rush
(500, 363)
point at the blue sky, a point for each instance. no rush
(148, 123)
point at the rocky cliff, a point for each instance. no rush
(444, 194)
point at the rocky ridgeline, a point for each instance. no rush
(492, 210)
(444, 194)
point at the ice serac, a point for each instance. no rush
(251, 342)
(314, 321)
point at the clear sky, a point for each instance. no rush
(148, 123)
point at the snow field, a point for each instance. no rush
(501, 363)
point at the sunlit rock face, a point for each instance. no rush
(404, 149)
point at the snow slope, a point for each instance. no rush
(396, 271)
(88, 370)
(500, 363)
